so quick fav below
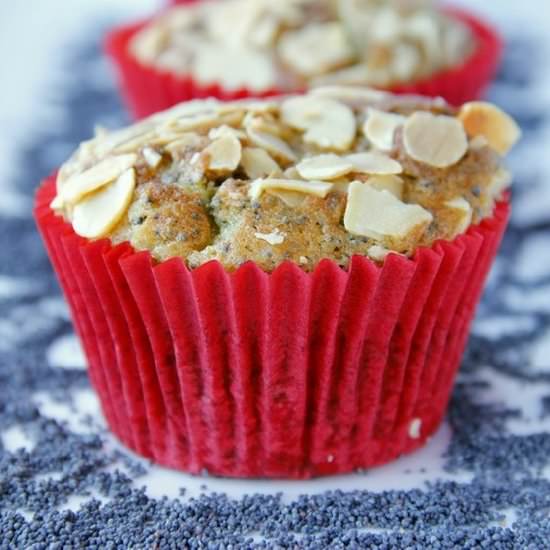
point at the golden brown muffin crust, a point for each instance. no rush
(337, 172)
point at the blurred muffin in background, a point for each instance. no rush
(236, 48)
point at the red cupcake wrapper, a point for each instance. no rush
(147, 90)
(284, 374)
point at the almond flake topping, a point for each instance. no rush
(498, 128)
(224, 154)
(95, 177)
(97, 214)
(373, 162)
(318, 188)
(316, 48)
(380, 127)
(272, 144)
(393, 184)
(380, 215)
(464, 212)
(257, 163)
(324, 167)
(327, 123)
(437, 140)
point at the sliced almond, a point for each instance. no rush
(324, 167)
(463, 213)
(188, 140)
(350, 94)
(100, 212)
(379, 215)
(152, 157)
(378, 253)
(291, 173)
(437, 140)
(95, 177)
(293, 199)
(237, 66)
(250, 105)
(273, 238)
(501, 180)
(393, 184)
(317, 188)
(478, 143)
(380, 127)
(187, 109)
(57, 203)
(484, 119)
(374, 162)
(224, 154)
(224, 130)
(340, 186)
(328, 124)
(258, 163)
(274, 145)
(315, 48)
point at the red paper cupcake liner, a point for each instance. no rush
(284, 374)
(147, 90)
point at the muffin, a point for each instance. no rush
(282, 287)
(238, 48)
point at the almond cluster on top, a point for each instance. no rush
(337, 172)
(291, 44)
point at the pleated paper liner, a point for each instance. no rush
(286, 374)
(147, 90)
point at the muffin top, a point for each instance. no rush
(337, 172)
(293, 44)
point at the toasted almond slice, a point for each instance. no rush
(500, 181)
(379, 215)
(187, 109)
(149, 42)
(478, 143)
(264, 33)
(437, 140)
(57, 203)
(196, 122)
(237, 66)
(300, 49)
(258, 163)
(100, 212)
(324, 167)
(484, 119)
(95, 177)
(380, 127)
(272, 144)
(224, 154)
(327, 123)
(187, 139)
(317, 188)
(463, 213)
(290, 198)
(393, 184)
(406, 61)
(291, 174)
(249, 105)
(152, 157)
(340, 186)
(350, 93)
(378, 253)
(224, 130)
(374, 162)
(125, 141)
(273, 238)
